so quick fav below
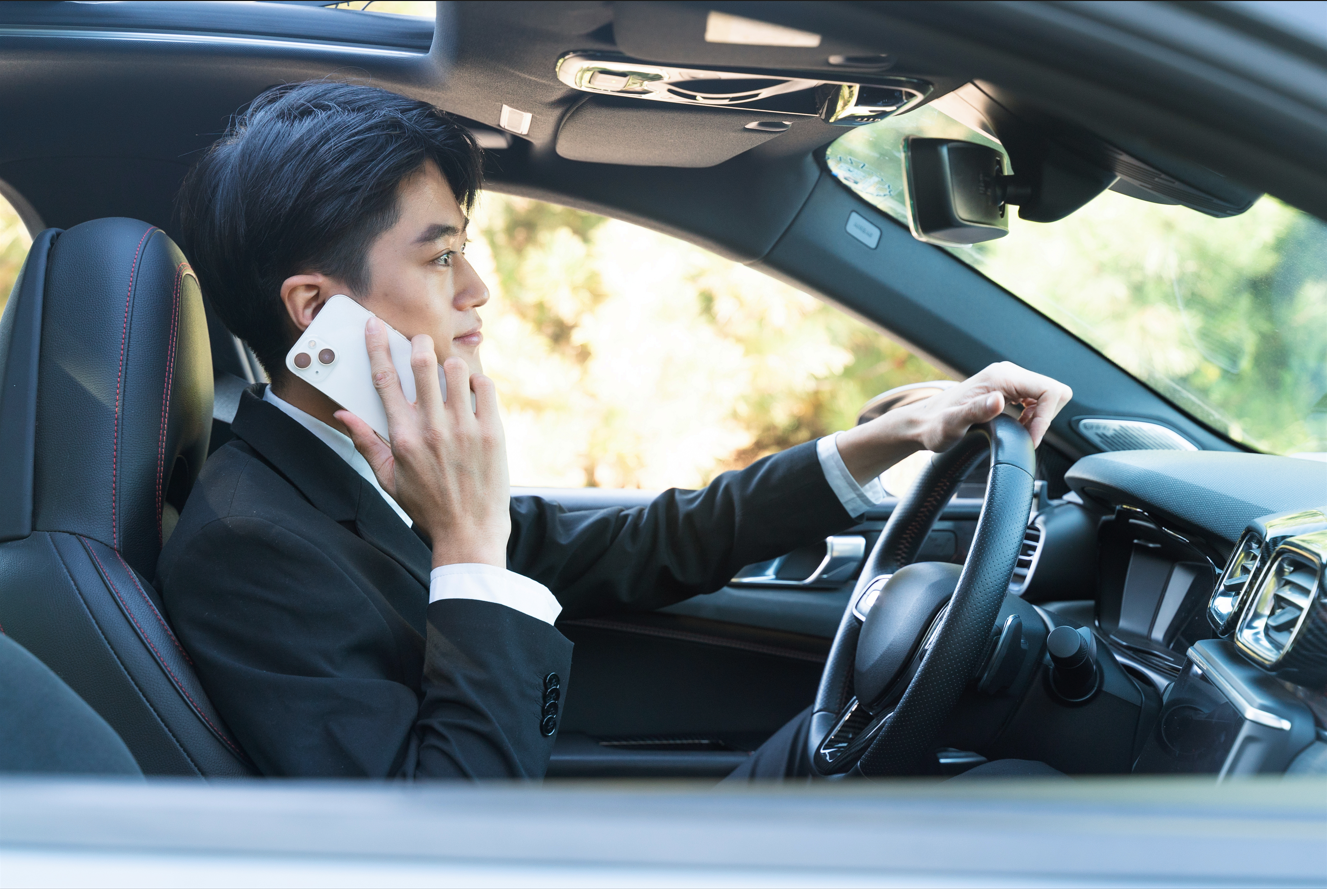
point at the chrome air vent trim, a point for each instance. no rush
(1132, 435)
(1283, 627)
(1029, 553)
(1236, 581)
(1242, 572)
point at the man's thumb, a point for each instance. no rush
(987, 408)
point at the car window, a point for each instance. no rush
(1225, 318)
(14, 244)
(627, 358)
(416, 8)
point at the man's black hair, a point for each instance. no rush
(305, 179)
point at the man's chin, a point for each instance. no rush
(470, 355)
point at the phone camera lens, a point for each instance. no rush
(326, 356)
(302, 360)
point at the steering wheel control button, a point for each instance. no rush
(548, 726)
(1073, 676)
(551, 681)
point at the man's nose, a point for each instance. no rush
(470, 290)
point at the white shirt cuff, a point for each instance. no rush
(488, 583)
(856, 499)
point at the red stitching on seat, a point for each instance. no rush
(165, 393)
(157, 614)
(119, 383)
(160, 660)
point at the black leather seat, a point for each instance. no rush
(105, 413)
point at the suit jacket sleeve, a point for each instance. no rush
(315, 678)
(682, 544)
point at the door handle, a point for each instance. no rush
(843, 555)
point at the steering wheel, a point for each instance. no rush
(913, 634)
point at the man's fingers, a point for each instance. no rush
(1036, 423)
(1042, 397)
(1018, 383)
(458, 387)
(424, 366)
(376, 451)
(385, 379)
(486, 397)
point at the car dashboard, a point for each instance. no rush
(1210, 586)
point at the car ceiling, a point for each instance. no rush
(105, 106)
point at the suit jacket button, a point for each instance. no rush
(552, 696)
(549, 725)
(550, 709)
(552, 681)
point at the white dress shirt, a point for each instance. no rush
(488, 583)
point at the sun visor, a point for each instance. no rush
(686, 35)
(608, 131)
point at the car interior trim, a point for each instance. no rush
(621, 626)
(226, 40)
(1212, 670)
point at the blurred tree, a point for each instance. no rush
(14, 244)
(628, 358)
(1226, 318)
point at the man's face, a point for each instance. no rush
(420, 281)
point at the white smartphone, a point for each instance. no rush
(331, 356)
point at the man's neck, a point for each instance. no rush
(297, 393)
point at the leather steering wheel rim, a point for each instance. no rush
(895, 741)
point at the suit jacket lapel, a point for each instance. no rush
(382, 527)
(329, 483)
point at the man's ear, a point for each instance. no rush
(304, 296)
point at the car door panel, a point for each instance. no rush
(689, 690)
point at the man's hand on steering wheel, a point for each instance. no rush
(940, 422)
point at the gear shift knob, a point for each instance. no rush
(1073, 675)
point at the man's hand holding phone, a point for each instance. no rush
(446, 465)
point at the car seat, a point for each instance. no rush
(105, 414)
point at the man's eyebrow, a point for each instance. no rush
(437, 231)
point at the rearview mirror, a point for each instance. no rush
(955, 190)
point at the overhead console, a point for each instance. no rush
(835, 101)
(671, 115)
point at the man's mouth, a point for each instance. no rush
(471, 337)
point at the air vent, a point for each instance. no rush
(1028, 554)
(1133, 435)
(1286, 596)
(1236, 583)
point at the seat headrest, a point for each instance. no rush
(105, 387)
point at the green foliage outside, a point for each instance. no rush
(1226, 318)
(626, 358)
(14, 244)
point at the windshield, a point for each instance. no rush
(1225, 318)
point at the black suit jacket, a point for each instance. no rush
(303, 601)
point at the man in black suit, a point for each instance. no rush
(362, 609)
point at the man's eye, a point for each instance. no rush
(445, 260)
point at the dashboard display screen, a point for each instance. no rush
(1195, 731)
